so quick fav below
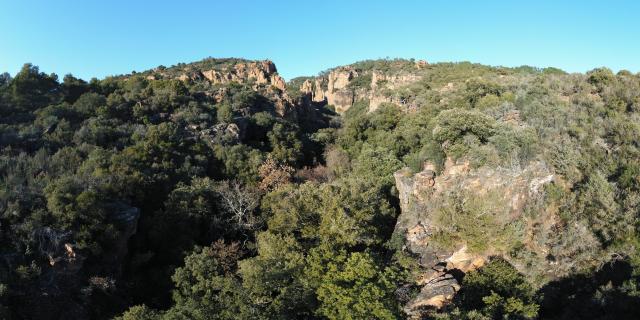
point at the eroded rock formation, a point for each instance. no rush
(262, 72)
(422, 198)
(338, 89)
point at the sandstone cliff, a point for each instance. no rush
(454, 221)
(261, 72)
(262, 76)
(344, 86)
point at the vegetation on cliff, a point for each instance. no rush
(180, 194)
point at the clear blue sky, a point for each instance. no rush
(99, 38)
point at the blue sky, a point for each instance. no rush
(99, 38)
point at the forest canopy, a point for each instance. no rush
(146, 196)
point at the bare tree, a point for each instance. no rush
(240, 202)
(50, 242)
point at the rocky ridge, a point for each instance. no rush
(261, 75)
(261, 72)
(344, 86)
(341, 87)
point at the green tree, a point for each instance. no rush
(272, 278)
(206, 289)
(455, 127)
(83, 211)
(140, 312)
(31, 89)
(499, 291)
(358, 289)
(88, 103)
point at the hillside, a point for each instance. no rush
(384, 189)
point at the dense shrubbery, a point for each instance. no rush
(245, 214)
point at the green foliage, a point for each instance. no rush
(477, 221)
(458, 130)
(285, 146)
(552, 70)
(82, 211)
(499, 291)
(239, 161)
(271, 279)
(73, 88)
(478, 90)
(88, 103)
(360, 82)
(598, 205)
(205, 289)
(185, 156)
(140, 312)
(378, 160)
(601, 77)
(350, 212)
(158, 160)
(77, 155)
(224, 113)
(31, 89)
(357, 289)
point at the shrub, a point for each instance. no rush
(499, 291)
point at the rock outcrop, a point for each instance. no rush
(338, 89)
(424, 194)
(261, 72)
(338, 94)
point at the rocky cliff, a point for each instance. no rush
(452, 222)
(341, 87)
(344, 86)
(217, 74)
(260, 72)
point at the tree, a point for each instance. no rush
(272, 278)
(140, 312)
(73, 88)
(5, 79)
(88, 103)
(477, 89)
(31, 89)
(454, 128)
(358, 289)
(285, 145)
(239, 162)
(205, 287)
(597, 203)
(499, 291)
(224, 112)
(273, 174)
(349, 213)
(240, 202)
(82, 211)
(160, 158)
(192, 215)
(601, 77)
